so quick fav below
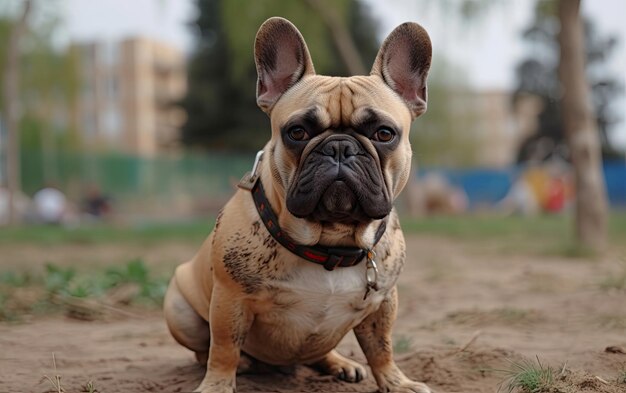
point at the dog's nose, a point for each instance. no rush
(340, 149)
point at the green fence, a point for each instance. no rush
(197, 177)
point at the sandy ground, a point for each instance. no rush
(466, 311)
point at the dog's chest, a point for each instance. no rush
(313, 309)
(324, 296)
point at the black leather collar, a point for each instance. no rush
(329, 257)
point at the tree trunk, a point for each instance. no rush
(11, 99)
(581, 131)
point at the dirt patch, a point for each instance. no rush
(453, 296)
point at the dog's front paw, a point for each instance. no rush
(341, 367)
(394, 381)
(215, 387)
(407, 386)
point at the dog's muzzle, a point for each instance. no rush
(339, 181)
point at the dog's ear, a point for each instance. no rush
(403, 62)
(282, 59)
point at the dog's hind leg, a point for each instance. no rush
(185, 324)
(192, 331)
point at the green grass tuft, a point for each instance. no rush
(89, 387)
(59, 288)
(136, 272)
(527, 376)
(15, 279)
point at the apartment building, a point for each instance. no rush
(128, 96)
(497, 127)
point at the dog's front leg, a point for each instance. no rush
(229, 321)
(374, 336)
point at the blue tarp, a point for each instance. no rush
(488, 186)
(615, 177)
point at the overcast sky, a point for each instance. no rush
(487, 50)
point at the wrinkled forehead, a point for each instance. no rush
(335, 102)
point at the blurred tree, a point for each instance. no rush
(538, 76)
(39, 83)
(446, 134)
(579, 118)
(10, 108)
(221, 102)
(49, 89)
(581, 128)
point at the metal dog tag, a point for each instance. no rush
(248, 180)
(371, 273)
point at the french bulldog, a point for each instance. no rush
(310, 246)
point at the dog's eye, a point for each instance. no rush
(384, 135)
(298, 134)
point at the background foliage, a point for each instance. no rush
(537, 75)
(221, 103)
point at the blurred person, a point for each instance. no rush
(434, 194)
(545, 188)
(560, 192)
(51, 205)
(521, 198)
(96, 204)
